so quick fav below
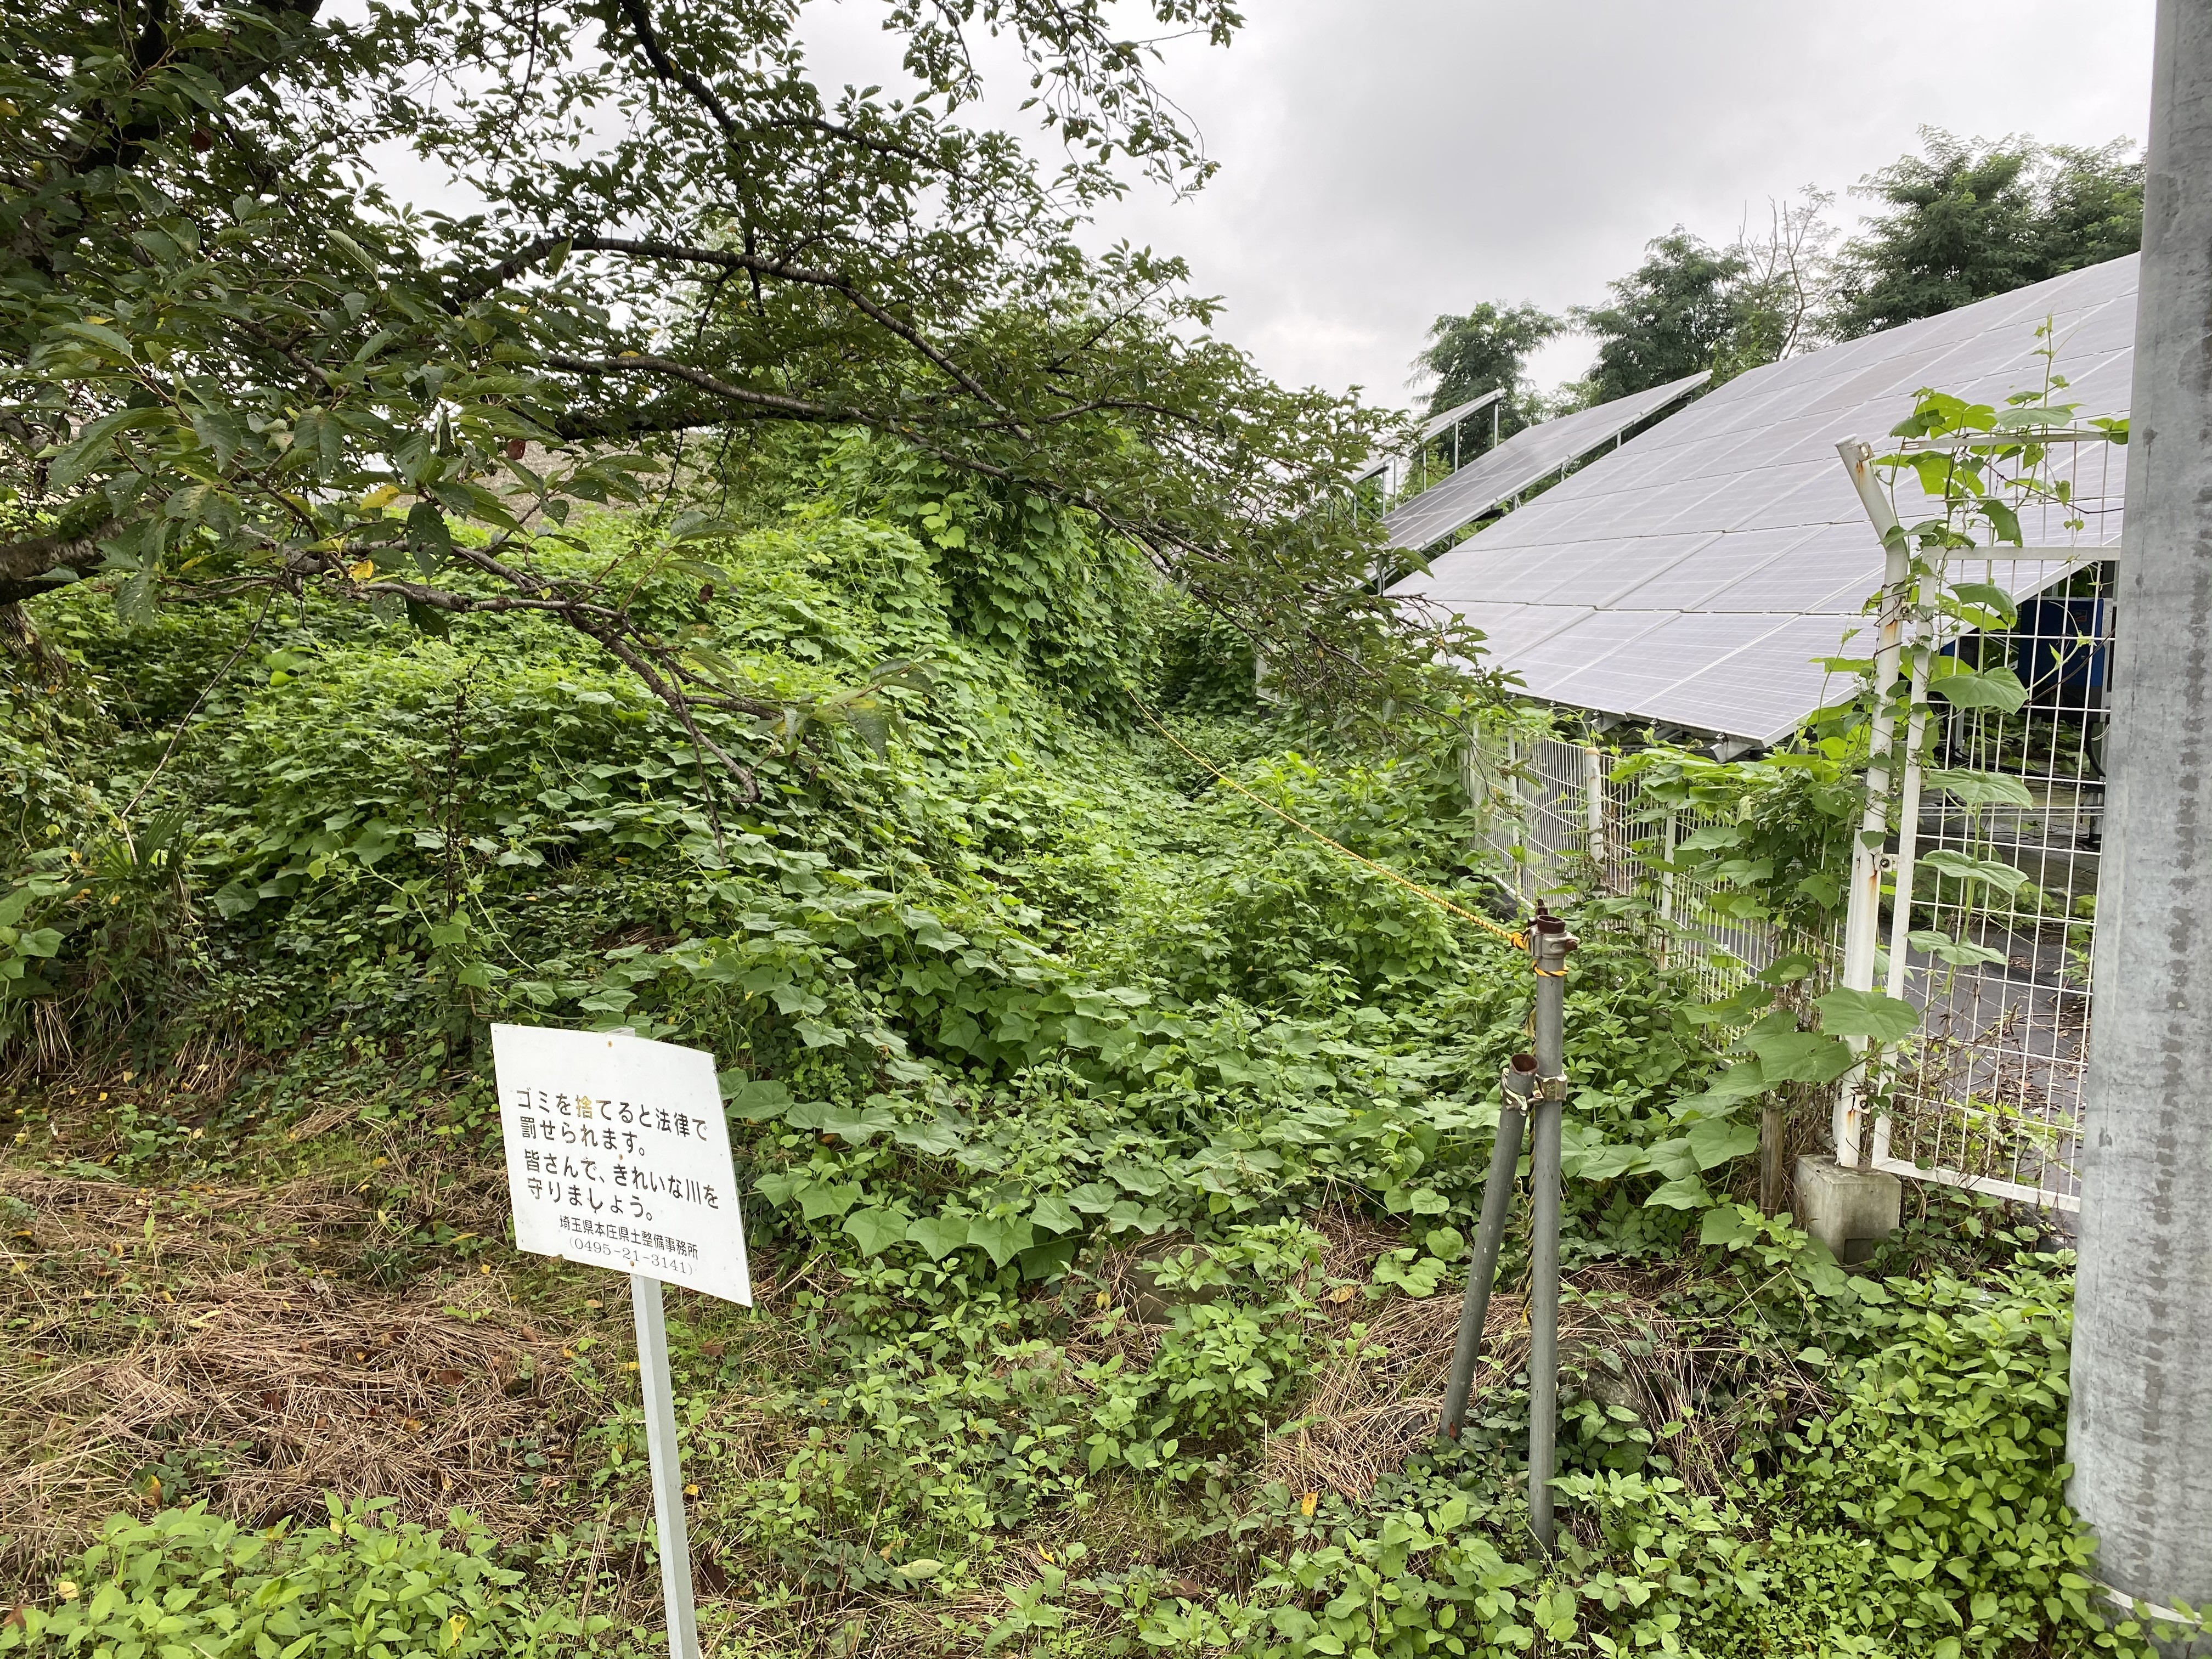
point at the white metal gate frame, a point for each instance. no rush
(1975, 1100)
(1994, 1108)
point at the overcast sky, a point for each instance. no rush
(1385, 160)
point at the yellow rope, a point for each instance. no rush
(1518, 941)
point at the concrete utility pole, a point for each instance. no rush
(2140, 1434)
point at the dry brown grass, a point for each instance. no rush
(156, 1323)
(1366, 1414)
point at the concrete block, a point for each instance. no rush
(1850, 1210)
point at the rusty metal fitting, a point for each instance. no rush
(1549, 944)
(1551, 1088)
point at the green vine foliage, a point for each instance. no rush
(1030, 576)
(1772, 838)
(187, 1582)
(1016, 1009)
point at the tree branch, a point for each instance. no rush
(128, 137)
(71, 543)
(729, 260)
(734, 130)
(790, 408)
(610, 627)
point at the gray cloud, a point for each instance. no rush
(1387, 160)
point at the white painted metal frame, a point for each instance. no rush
(1988, 1095)
(1862, 912)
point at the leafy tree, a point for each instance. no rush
(229, 360)
(2093, 206)
(1969, 220)
(1487, 351)
(1674, 314)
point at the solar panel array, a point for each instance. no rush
(1434, 425)
(1529, 455)
(1692, 576)
(1453, 416)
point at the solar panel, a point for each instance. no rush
(1452, 418)
(1431, 428)
(1528, 456)
(1692, 576)
(1782, 665)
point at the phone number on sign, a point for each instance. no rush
(662, 1267)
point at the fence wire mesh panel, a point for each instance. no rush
(1532, 794)
(1557, 823)
(1992, 900)
(2000, 868)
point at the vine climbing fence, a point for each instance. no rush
(1996, 948)
(1997, 849)
(1973, 887)
(1555, 819)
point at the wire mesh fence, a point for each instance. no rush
(1990, 877)
(1557, 822)
(2001, 867)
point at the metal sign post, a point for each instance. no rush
(667, 1468)
(1549, 944)
(618, 1156)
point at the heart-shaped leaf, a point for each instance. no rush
(940, 1236)
(1000, 1237)
(1799, 1056)
(1683, 1193)
(936, 1138)
(877, 1230)
(1603, 1163)
(1717, 1140)
(818, 1199)
(1867, 1014)
(755, 1099)
(1053, 1214)
(859, 1127)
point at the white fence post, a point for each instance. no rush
(1594, 805)
(1863, 909)
(1908, 839)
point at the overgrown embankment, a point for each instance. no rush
(1107, 1146)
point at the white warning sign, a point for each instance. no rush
(618, 1156)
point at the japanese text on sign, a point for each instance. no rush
(619, 1155)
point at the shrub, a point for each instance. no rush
(185, 1582)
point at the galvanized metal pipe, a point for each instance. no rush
(1544, 1322)
(1549, 944)
(1518, 1083)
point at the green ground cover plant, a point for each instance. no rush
(1109, 1151)
(188, 1582)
